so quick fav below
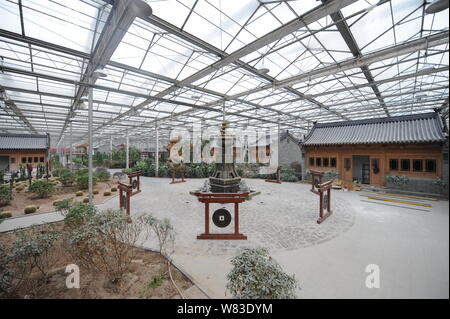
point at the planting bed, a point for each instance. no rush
(147, 277)
(24, 198)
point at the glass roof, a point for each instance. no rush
(268, 63)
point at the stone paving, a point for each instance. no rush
(283, 217)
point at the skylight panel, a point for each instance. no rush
(56, 87)
(67, 23)
(9, 11)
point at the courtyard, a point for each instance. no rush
(409, 244)
(212, 149)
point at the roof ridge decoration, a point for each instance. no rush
(400, 118)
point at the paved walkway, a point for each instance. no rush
(411, 247)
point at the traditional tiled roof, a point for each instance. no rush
(24, 141)
(418, 128)
(287, 134)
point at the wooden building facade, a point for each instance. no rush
(369, 150)
(23, 149)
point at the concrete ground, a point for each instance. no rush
(410, 244)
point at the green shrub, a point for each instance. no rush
(397, 180)
(113, 189)
(288, 174)
(95, 191)
(102, 174)
(255, 275)
(66, 177)
(30, 209)
(26, 263)
(56, 164)
(102, 244)
(55, 172)
(158, 279)
(441, 184)
(78, 160)
(76, 214)
(86, 200)
(42, 188)
(79, 193)
(5, 215)
(83, 171)
(63, 205)
(83, 181)
(331, 175)
(107, 193)
(127, 170)
(5, 195)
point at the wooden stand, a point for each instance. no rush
(277, 176)
(180, 169)
(134, 182)
(222, 198)
(124, 203)
(324, 192)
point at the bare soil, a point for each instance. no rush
(24, 198)
(147, 278)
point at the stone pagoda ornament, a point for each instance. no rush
(225, 179)
(224, 186)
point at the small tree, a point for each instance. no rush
(104, 243)
(164, 231)
(76, 214)
(66, 177)
(42, 188)
(83, 181)
(102, 174)
(5, 195)
(256, 275)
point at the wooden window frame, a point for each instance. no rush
(347, 163)
(421, 165)
(390, 166)
(333, 159)
(401, 165)
(434, 166)
(319, 161)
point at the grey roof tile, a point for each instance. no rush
(419, 128)
(24, 141)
